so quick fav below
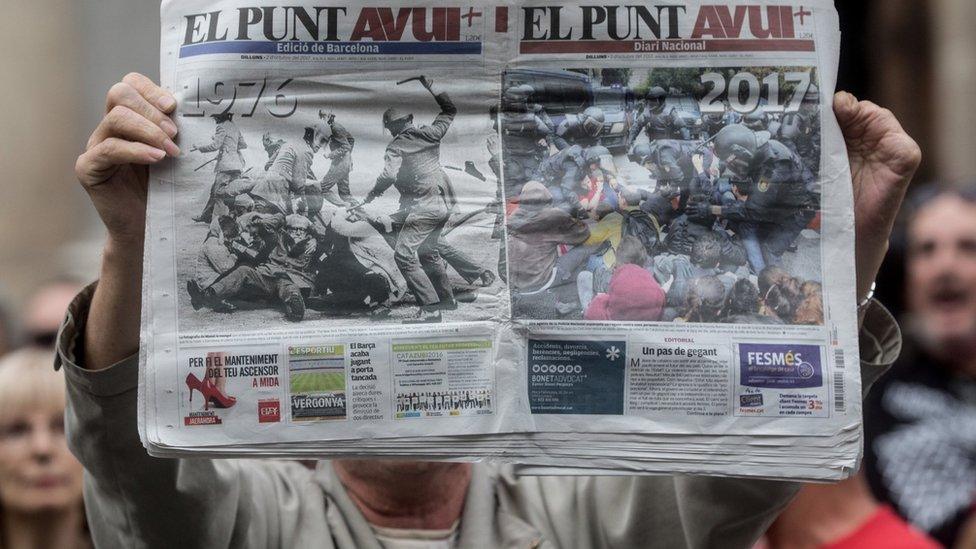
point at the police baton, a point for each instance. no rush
(201, 166)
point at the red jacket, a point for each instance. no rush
(633, 295)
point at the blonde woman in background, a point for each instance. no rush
(40, 481)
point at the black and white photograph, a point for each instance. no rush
(306, 200)
(671, 194)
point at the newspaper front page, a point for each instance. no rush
(504, 231)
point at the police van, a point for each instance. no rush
(563, 92)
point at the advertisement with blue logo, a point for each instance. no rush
(780, 380)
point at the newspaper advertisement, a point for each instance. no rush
(396, 221)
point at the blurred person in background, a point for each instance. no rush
(6, 332)
(40, 481)
(844, 515)
(44, 311)
(920, 422)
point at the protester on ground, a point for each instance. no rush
(633, 294)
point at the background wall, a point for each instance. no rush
(56, 72)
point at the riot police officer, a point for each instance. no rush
(582, 129)
(671, 163)
(561, 173)
(800, 131)
(340, 143)
(774, 204)
(526, 133)
(658, 120)
(412, 165)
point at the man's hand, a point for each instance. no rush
(883, 161)
(135, 133)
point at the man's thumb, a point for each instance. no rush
(846, 107)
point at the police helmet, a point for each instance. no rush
(756, 120)
(812, 95)
(593, 119)
(736, 145)
(736, 140)
(640, 153)
(656, 97)
(592, 155)
(392, 115)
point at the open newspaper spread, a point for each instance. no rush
(577, 237)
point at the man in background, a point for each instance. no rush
(919, 470)
(920, 423)
(45, 309)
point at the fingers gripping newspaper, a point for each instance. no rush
(609, 238)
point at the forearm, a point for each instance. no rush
(114, 316)
(135, 500)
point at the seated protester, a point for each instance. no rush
(246, 237)
(633, 294)
(705, 301)
(688, 228)
(638, 223)
(370, 248)
(284, 277)
(780, 293)
(606, 225)
(288, 177)
(343, 284)
(743, 304)
(535, 232)
(681, 270)
(599, 184)
(810, 309)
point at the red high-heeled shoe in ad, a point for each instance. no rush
(210, 392)
(216, 396)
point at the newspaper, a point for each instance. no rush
(578, 237)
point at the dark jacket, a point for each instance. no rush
(535, 232)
